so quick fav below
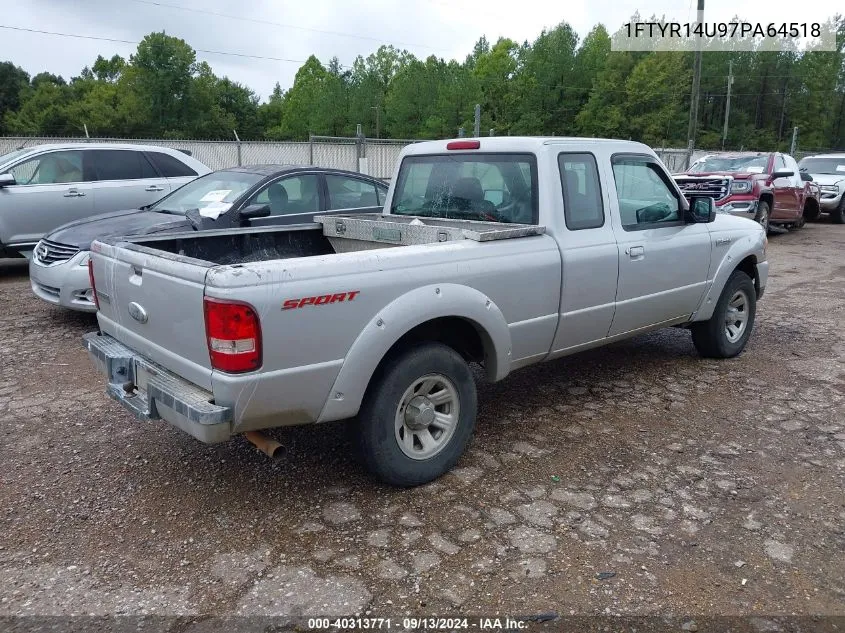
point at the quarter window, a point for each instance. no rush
(170, 167)
(50, 169)
(645, 199)
(582, 202)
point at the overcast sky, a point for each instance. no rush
(327, 28)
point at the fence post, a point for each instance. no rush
(310, 148)
(360, 150)
(238, 141)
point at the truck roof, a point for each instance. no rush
(526, 143)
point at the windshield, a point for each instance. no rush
(823, 165)
(490, 187)
(216, 191)
(756, 164)
(5, 158)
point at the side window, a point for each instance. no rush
(644, 196)
(350, 193)
(50, 169)
(582, 203)
(121, 164)
(170, 167)
(297, 194)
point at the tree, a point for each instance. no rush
(13, 81)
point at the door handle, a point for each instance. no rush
(636, 252)
(154, 188)
(73, 193)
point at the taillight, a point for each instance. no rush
(463, 145)
(233, 332)
(93, 287)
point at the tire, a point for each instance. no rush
(762, 217)
(716, 338)
(811, 213)
(838, 214)
(402, 435)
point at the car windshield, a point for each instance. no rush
(755, 164)
(490, 187)
(6, 158)
(216, 191)
(834, 165)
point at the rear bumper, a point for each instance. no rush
(151, 392)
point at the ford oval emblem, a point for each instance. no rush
(137, 312)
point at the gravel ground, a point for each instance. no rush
(637, 480)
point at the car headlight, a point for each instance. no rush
(829, 188)
(84, 260)
(740, 186)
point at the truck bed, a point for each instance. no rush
(330, 234)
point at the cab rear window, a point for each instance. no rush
(488, 187)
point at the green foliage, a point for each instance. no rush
(554, 85)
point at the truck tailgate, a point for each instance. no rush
(153, 304)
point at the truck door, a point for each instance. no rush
(663, 261)
(785, 193)
(588, 254)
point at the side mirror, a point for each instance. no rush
(782, 174)
(806, 177)
(702, 209)
(255, 211)
(7, 180)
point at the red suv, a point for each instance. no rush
(766, 187)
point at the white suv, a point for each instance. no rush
(46, 186)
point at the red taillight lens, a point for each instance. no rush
(91, 279)
(463, 145)
(234, 335)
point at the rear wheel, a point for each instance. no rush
(762, 216)
(726, 333)
(418, 415)
(811, 213)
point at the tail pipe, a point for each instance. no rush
(266, 445)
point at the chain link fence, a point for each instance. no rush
(376, 157)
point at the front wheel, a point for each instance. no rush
(838, 214)
(763, 215)
(725, 334)
(418, 415)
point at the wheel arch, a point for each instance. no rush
(458, 316)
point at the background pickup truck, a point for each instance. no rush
(768, 188)
(501, 251)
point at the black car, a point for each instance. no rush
(239, 196)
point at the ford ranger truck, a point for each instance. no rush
(504, 252)
(766, 187)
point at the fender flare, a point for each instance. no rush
(743, 248)
(401, 316)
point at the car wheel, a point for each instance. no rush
(418, 415)
(762, 216)
(838, 214)
(811, 213)
(725, 334)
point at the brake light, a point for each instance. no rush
(233, 331)
(93, 287)
(463, 145)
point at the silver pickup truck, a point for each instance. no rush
(499, 251)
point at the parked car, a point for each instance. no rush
(505, 251)
(46, 186)
(828, 171)
(274, 195)
(767, 187)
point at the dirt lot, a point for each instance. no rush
(701, 487)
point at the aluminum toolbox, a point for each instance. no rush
(373, 230)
